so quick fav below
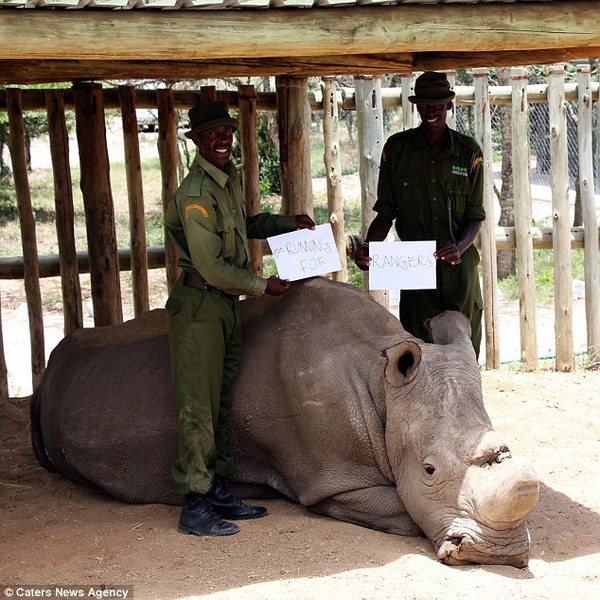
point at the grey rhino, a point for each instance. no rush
(336, 407)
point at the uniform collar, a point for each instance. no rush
(449, 148)
(221, 177)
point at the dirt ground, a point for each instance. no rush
(57, 533)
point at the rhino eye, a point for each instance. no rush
(430, 469)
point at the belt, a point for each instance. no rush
(193, 279)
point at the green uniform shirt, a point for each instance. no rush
(207, 221)
(431, 197)
(417, 188)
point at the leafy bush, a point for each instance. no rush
(8, 203)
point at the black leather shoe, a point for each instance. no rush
(198, 517)
(228, 507)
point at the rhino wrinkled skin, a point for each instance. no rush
(336, 407)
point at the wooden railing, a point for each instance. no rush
(104, 260)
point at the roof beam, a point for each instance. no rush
(216, 35)
(20, 72)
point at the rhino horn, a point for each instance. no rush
(507, 494)
(403, 362)
(449, 327)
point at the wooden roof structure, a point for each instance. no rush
(201, 39)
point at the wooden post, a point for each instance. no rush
(483, 132)
(522, 190)
(135, 195)
(28, 235)
(98, 204)
(590, 221)
(333, 170)
(451, 116)
(167, 152)
(248, 135)
(208, 93)
(369, 113)
(559, 185)
(65, 213)
(410, 116)
(3, 367)
(293, 116)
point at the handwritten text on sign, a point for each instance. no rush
(402, 265)
(305, 253)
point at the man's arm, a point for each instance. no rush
(452, 252)
(378, 230)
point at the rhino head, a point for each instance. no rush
(456, 476)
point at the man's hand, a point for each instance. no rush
(276, 286)
(449, 252)
(361, 257)
(304, 222)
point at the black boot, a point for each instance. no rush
(198, 517)
(228, 507)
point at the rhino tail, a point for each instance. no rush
(37, 439)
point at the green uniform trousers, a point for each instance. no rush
(206, 353)
(457, 289)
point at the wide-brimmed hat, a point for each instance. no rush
(432, 88)
(209, 114)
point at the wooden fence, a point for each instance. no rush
(103, 260)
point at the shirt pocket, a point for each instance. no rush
(407, 186)
(409, 198)
(460, 193)
(226, 229)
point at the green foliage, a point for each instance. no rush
(268, 168)
(544, 276)
(8, 203)
(155, 229)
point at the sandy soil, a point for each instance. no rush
(55, 532)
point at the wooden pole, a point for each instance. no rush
(266, 101)
(28, 234)
(333, 170)
(248, 135)
(559, 185)
(369, 113)
(522, 190)
(3, 367)
(98, 204)
(65, 212)
(135, 195)
(167, 152)
(293, 114)
(483, 133)
(416, 28)
(410, 116)
(451, 118)
(590, 221)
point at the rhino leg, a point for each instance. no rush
(376, 508)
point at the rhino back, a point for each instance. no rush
(309, 412)
(106, 411)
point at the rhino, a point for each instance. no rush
(336, 407)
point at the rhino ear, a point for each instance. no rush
(403, 362)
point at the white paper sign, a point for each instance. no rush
(305, 253)
(402, 265)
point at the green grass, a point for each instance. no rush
(348, 155)
(544, 276)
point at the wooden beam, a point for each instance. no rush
(443, 61)
(47, 71)
(201, 35)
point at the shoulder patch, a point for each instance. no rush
(475, 165)
(199, 207)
